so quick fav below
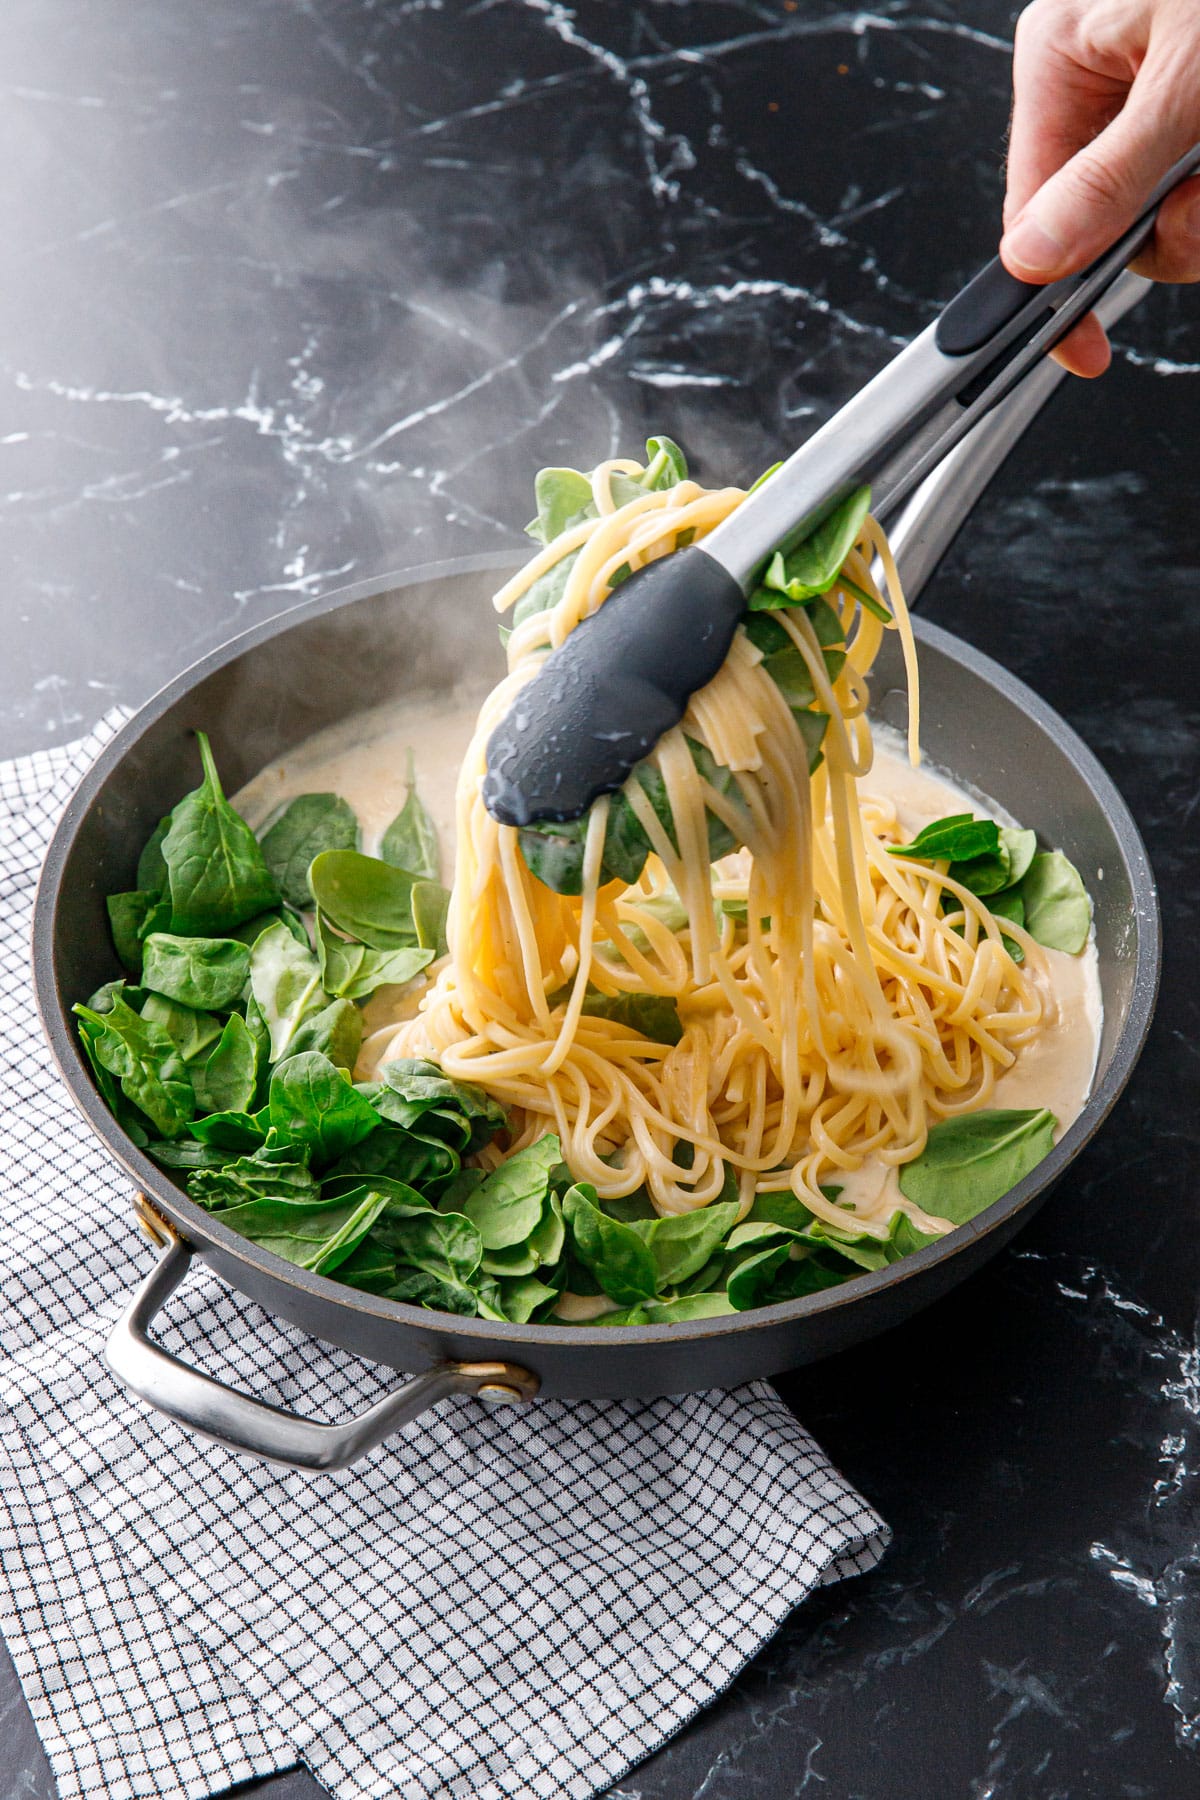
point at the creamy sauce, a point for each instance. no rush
(364, 760)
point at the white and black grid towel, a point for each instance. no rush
(491, 1604)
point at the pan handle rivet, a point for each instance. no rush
(498, 1395)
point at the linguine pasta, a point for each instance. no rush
(834, 1001)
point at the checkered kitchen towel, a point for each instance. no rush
(492, 1604)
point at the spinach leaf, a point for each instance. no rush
(310, 1104)
(812, 727)
(973, 1160)
(101, 1001)
(670, 1312)
(666, 465)
(207, 973)
(188, 1153)
(616, 1254)
(370, 1267)
(410, 841)
(226, 1082)
(752, 1279)
(308, 824)
(269, 1174)
(653, 1016)
(455, 1109)
(445, 1245)
(813, 565)
(420, 1288)
(524, 1297)
(352, 972)
(285, 981)
(507, 1206)
(250, 932)
(241, 1133)
(430, 906)
(1057, 910)
(955, 839)
(563, 496)
(127, 915)
(146, 1062)
(191, 1031)
(316, 1235)
(1021, 847)
(216, 873)
(364, 897)
(152, 867)
(780, 1208)
(336, 1032)
(547, 590)
(553, 853)
(405, 1156)
(682, 1245)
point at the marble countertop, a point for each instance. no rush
(297, 292)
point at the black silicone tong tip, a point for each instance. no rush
(600, 702)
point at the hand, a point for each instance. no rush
(1106, 96)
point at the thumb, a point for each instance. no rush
(1080, 211)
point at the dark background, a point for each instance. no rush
(298, 291)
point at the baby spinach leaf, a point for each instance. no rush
(750, 1281)
(336, 1032)
(1021, 847)
(547, 590)
(524, 1297)
(616, 1254)
(683, 1244)
(445, 1245)
(420, 1288)
(364, 897)
(285, 981)
(226, 1082)
(370, 1267)
(188, 1153)
(813, 565)
(1057, 910)
(316, 1235)
(312, 1105)
(101, 1001)
(670, 1312)
(955, 839)
(563, 496)
(779, 1208)
(971, 1161)
(507, 1206)
(458, 1109)
(127, 915)
(628, 1207)
(207, 973)
(192, 1031)
(145, 1061)
(250, 932)
(402, 1155)
(216, 873)
(269, 1174)
(553, 853)
(308, 824)
(653, 1016)
(666, 465)
(410, 841)
(152, 867)
(430, 906)
(810, 1275)
(241, 1133)
(812, 727)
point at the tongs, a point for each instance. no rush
(602, 700)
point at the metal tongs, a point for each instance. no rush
(601, 701)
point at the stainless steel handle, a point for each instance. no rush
(933, 517)
(253, 1427)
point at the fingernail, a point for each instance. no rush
(1031, 245)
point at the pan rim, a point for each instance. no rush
(55, 1016)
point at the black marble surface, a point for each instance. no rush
(297, 291)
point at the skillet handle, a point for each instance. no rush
(253, 1427)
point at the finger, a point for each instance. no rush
(1085, 350)
(1083, 208)
(1058, 107)
(1173, 254)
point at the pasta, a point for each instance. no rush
(833, 1001)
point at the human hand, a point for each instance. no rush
(1106, 96)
